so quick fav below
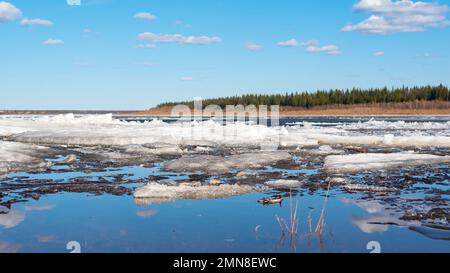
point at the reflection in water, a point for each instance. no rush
(38, 207)
(45, 238)
(372, 223)
(378, 218)
(433, 232)
(146, 213)
(371, 206)
(6, 247)
(292, 229)
(10, 218)
(152, 201)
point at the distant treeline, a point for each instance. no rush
(333, 97)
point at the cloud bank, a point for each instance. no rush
(389, 16)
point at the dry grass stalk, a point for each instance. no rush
(321, 223)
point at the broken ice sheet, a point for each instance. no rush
(220, 165)
(16, 157)
(376, 161)
(105, 130)
(283, 183)
(161, 192)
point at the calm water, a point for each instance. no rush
(108, 223)
(116, 224)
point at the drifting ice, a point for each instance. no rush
(22, 157)
(105, 130)
(219, 165)
(367, 162)
(159, 191)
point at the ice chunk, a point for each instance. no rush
(324, 150)
(338, 181)
(282, 183)
(79, 119)
(368, 188)
(396, 125)
(22, 157)
(154, 149)
(159, 191)
(371, 161)
(219, 165)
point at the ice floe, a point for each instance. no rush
(282, 183)
(224, 164)
(324, 150)
(376, 161)
(162, 192)
(22, 157)
(395, 125)
(105, 130)
(368, 188)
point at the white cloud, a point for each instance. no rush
(146, 46)
(378, 54)
(251, 46)
(388, 16)
(35, 22)
(145, 16)
(186, 79)
(182, 24)
(73, 2)
(178, 38)
(8, 12)
(327, 49)
(288, 43)
(313, 46)
(310, 43)
(53, 42)
(427, 56)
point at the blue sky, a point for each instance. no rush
(90, 56)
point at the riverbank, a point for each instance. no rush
(394, 109)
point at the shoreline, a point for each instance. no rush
(337, 112)
(430, 113)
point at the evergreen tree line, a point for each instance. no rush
(333, 97)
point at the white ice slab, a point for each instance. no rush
(104, 130)
(372, 161)
(21, 157)
(161, 192)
